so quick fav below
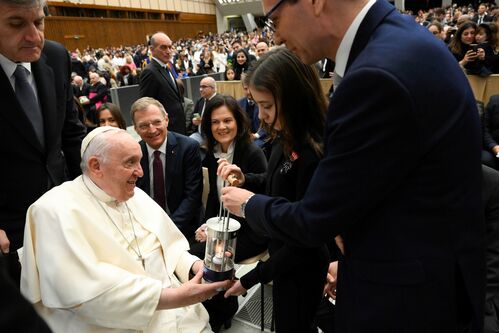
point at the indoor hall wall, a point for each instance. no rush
(80, 32)
(190, 6)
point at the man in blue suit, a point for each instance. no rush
(400, 178)
(172, 165)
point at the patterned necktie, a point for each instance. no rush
(27, 98)
(158, 180)
(170, 76)
(202, 111)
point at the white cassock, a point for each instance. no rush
(83, 276)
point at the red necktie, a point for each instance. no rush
(158, 180)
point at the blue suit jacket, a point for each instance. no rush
(183, 181)
(400, 181)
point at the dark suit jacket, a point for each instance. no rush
(486, 18)
(155, 83)
(183, 181)
(28, 169)
(491, 123)
(400, 181)
(252, 113)
(490, 197)
(291, 268)
(81, 91)
(18, 315)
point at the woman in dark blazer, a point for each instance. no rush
(293, 109)
(228, 137)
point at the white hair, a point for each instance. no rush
(99, 146)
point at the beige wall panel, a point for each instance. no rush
(145, 4)
(178, 5)
(168, 4)
(87, 2)
(101, 2)
(114, 3)
(154, 4)
(162, 4)
(125, 3)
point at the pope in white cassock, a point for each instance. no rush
(101, 256)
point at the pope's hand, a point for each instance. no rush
(233, 198)
(191, 292)
(197, 266)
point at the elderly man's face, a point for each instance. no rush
(121, 168)
(151, 124)
(21, 32)
(94, 79)
(162, 48)
(206, 88)
(261, 49)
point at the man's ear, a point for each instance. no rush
(94, 166)
(318, 6)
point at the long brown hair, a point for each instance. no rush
(300, 103)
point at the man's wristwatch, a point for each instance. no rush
(243, 206)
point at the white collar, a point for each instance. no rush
(162, 148)
(343, 52)
(217, 151)
(9, 66)
(159, 62)
(97, 192)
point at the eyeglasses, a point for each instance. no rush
(266, 21)
(145, 126)
(204, 87)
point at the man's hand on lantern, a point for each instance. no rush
(233, 198)
(229, 172)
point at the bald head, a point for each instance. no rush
(207, 87)
(261, 49)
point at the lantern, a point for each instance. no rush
(221, 234)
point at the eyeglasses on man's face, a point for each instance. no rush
(266, 21)
(157, 123)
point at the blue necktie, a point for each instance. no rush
(27, 99)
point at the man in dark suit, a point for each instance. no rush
(401, 174)
(482, 16)
(158, 82)
(172, 166)
(40, 134)
(207, 90)
(490, 197)
(80, 88)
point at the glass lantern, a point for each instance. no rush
(221, 234)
